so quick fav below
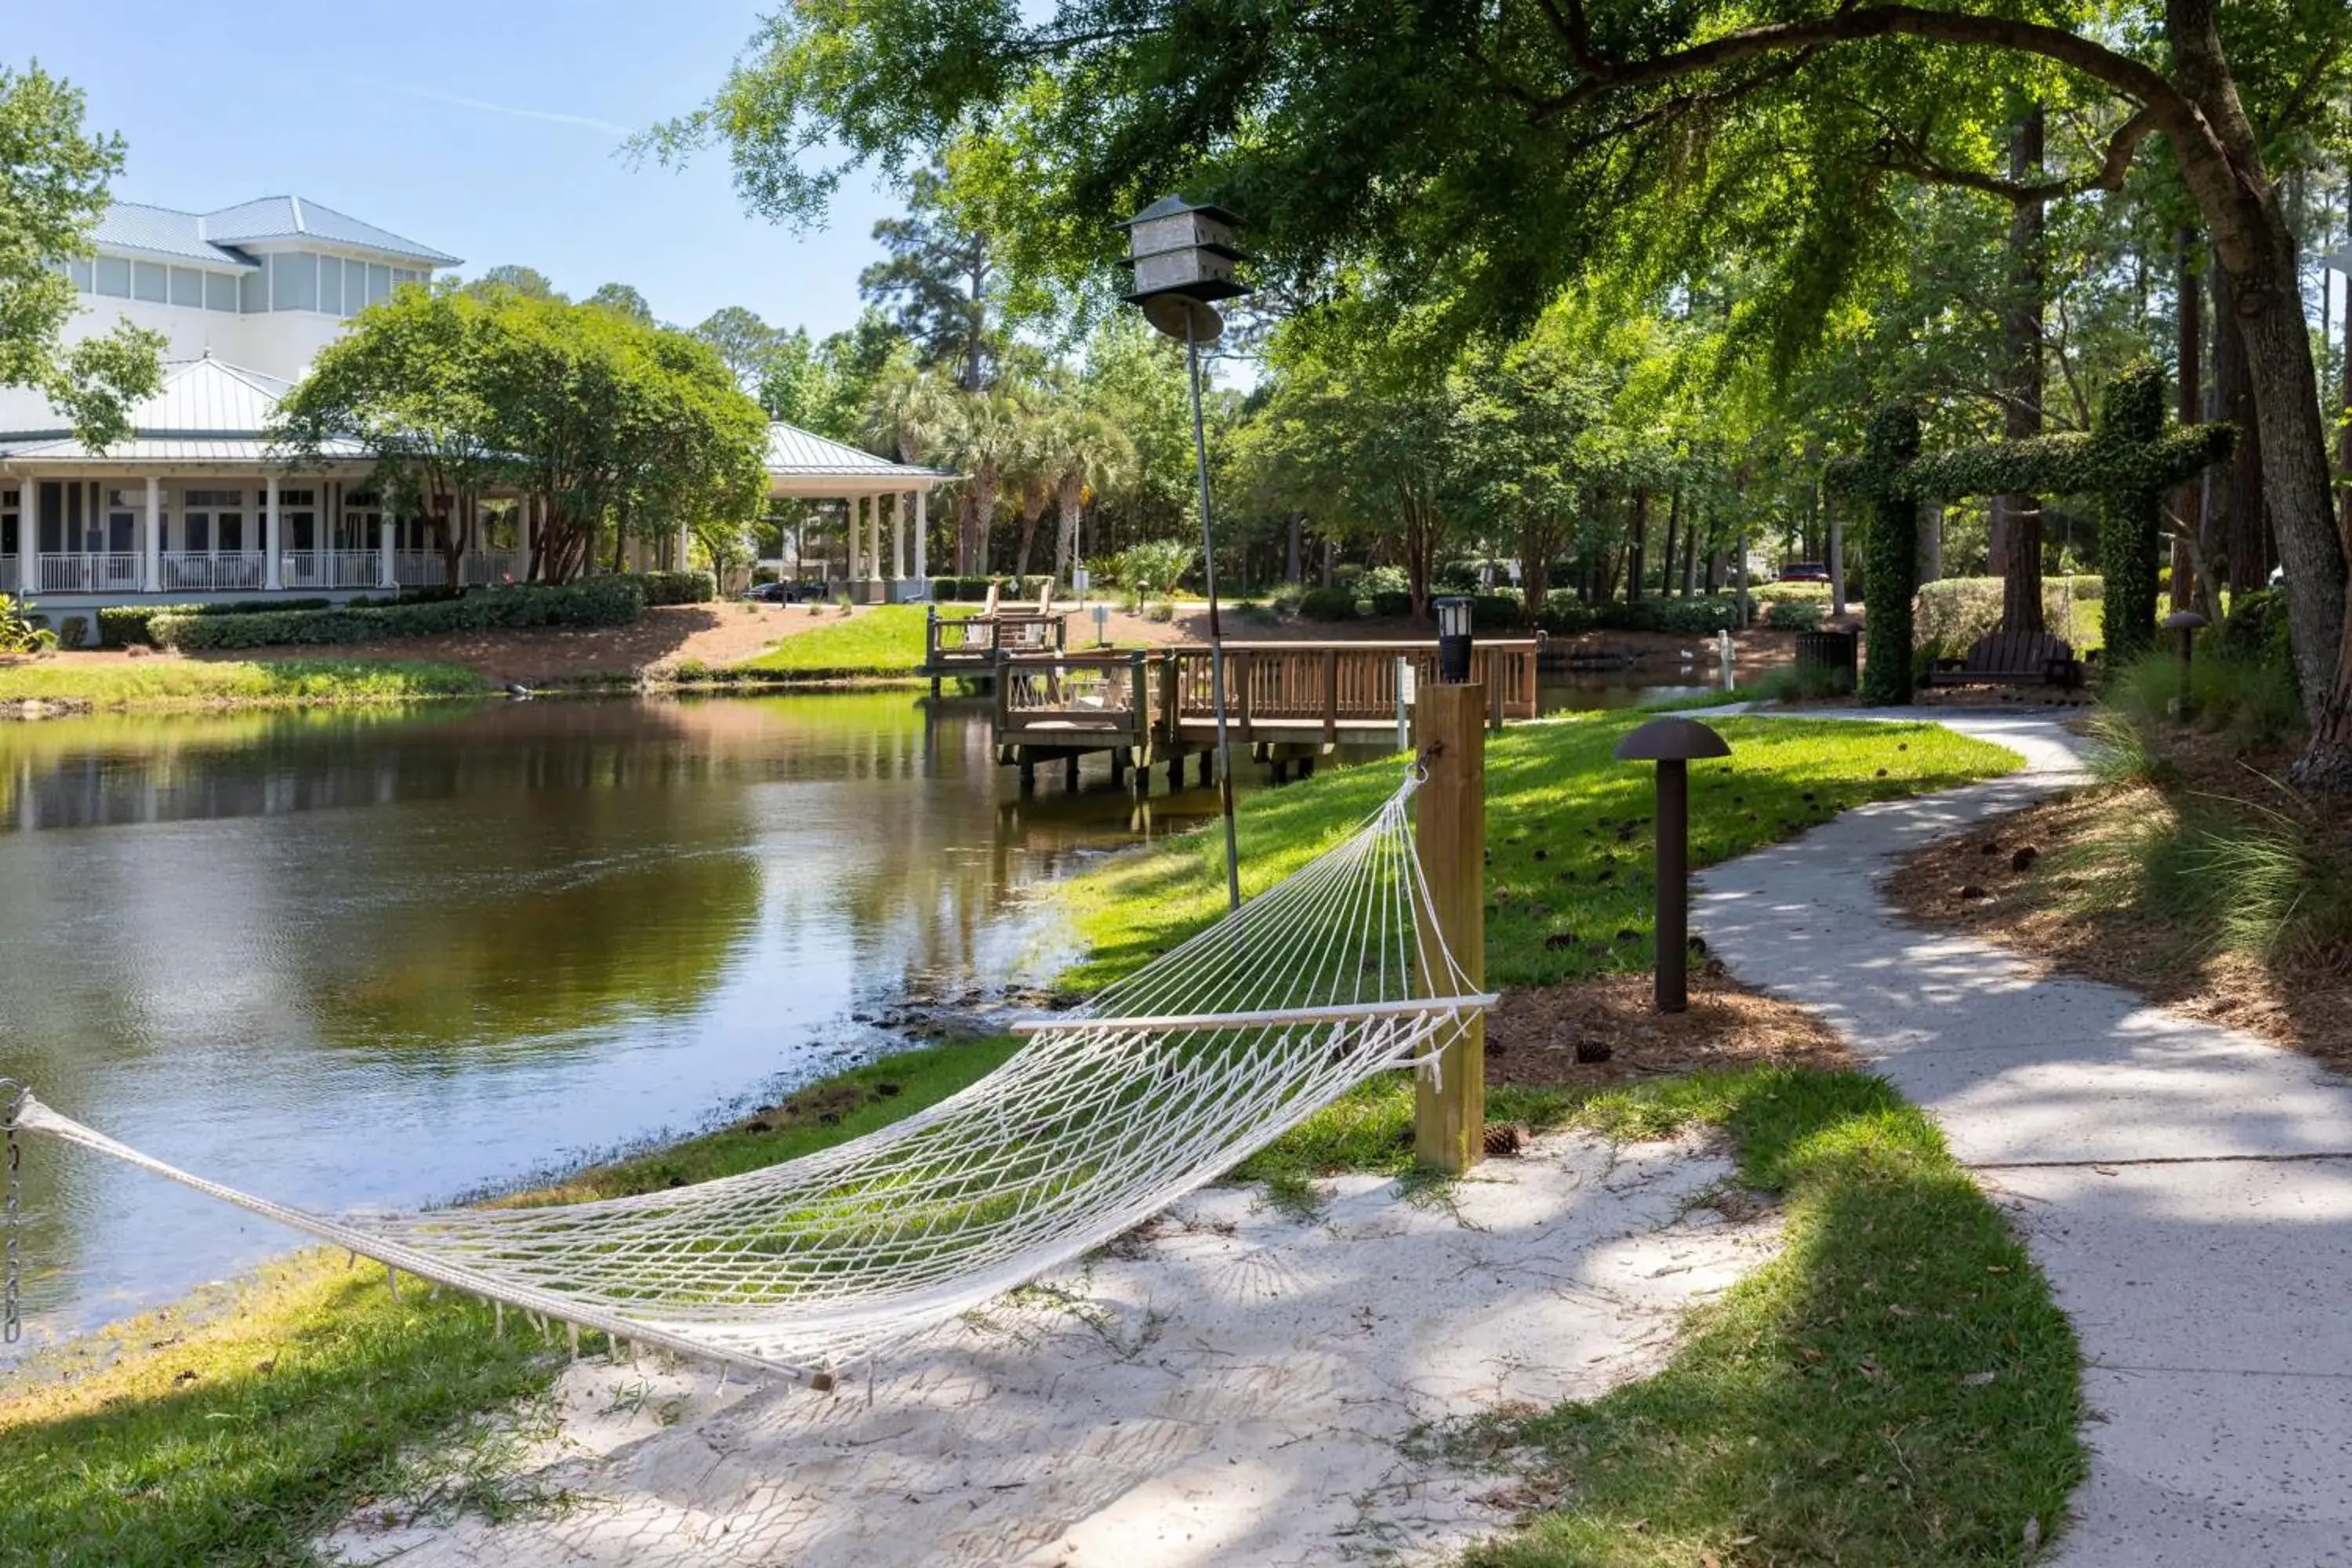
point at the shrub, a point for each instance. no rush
(1386, 604)
(1378, 580)
(1801, 682)
(1283, 601)
(1163, 610)
(1793, 615)
(679, 587)
(2250, 700)
(1154, 565)
(1678, 618)
(1564, 614)
(1957, 611)
(2256, 626)
(1328, 604)
(1503, 610)
(73, 631)
(597, 602)
(20, 633)
(122, 626)
(1456, 577)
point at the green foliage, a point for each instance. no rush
(2256, 626)
(2131, 503)
(597, 602)
(1676, 617)
(73, 631)
(19, 632)
(1328, 604)
(1951, 614)
(1793, 616)
(1153, 566)
(53, 191)
(1500, 610)
(679, 587)
(1800, 683)
(2251, 699)
(122, 626)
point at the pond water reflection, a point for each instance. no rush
(351, 960)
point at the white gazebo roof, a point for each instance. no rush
(205, 412)
(803, 463)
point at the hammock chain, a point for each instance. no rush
(12, 1100)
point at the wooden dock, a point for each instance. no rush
(968, 646)
(1287, 702)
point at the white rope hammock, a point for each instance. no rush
(1107, 1115)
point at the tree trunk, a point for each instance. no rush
(1538, 540)
(2243, 527)
(2188, 505)
(1033, 511)
(1690, 553)
(1638, 545)
(2016, 531)
(1931, 541)
(1066, 535)
(1294, 543)
(1673, 533)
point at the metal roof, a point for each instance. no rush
(206, 411)
(291, 218)
(795, 453)
(161, 231)
(207, 237)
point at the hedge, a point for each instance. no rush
(120, 625)
(679, 587)
(598, 602)
(1954, 611)
(1793, 615)
(1328, 604)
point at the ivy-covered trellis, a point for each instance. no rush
(2129, 462)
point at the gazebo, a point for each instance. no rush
(804, 465)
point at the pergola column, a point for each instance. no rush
(849, 512)
(871, 506)
(150, 565)
(271, 536)
(922, 530)
(899, 535)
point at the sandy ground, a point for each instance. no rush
(1232, 1385)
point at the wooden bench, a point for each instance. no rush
(2028, 658)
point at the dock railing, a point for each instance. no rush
(1292, 692)
(970, 643)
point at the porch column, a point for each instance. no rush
(28, 535)
(849, 511)
(899, 535)
(385, 577)
(271, 536)
(151, 567)
(872, 507)
(922, 531)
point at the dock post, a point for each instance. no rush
(1450, 1095)
(1070, 773)
(1028, 773)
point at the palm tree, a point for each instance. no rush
(986, 443)
(909, 412)
(1082, 451)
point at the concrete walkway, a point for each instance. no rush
(2188, 1188)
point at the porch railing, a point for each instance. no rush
(487, 568)
(112, 572)
(315, 569)
(9, 574)
(196, 573)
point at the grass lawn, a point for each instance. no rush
(1568, 830)
(1895, 1387)
(173, 682)
(886, 639)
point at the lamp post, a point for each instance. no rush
(1182, 256)
(1452, 639)
(1672, 743)
(2185, 623)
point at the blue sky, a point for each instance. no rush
(488, 129)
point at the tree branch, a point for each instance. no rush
(2113, 169)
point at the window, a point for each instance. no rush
(114, 277)
(379, 283)
(220, 292)
(200, 532)
(232, 533)
(294, 281)
(78, 271)
(188, 287)
(331, 285)
(252, 289)
(297, 497)
(151, 281)
(214, 498)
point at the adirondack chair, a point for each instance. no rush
(2028, 659)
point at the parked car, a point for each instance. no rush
(1804, 572)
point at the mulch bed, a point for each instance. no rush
(1605, 1031)
(2010, 881)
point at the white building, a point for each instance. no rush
(192, 506)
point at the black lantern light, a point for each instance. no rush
(1452, 639)
(1673, 745)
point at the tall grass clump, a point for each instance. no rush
(2249, 700)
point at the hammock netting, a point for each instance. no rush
(1105, 1116)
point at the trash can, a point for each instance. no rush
(1831, 652)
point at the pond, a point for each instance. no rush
(352, 960)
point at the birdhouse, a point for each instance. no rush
(1176, 248)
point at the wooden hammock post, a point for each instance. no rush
(1450, 727)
